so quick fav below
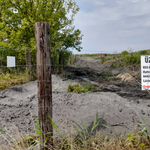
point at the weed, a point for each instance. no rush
(84, 133)
(29, 140)
(38, 130)
(80, 89)
(139, 140)
(144, 130)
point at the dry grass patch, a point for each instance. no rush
(8, 79)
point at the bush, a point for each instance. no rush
(127, 60)
(133, 59)
(103, 60)
(125, 53)
(80, 89)
(144, 52)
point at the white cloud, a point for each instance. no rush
(114, 24)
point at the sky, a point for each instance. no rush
(112, 26)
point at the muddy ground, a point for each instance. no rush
(120, 99)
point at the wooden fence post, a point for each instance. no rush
(43, 57)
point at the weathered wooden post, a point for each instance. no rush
(43, 57)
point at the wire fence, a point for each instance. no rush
(120, 100)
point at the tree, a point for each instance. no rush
(19, 16)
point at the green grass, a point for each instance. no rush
(83, 132)
(88, 141)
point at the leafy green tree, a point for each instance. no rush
(17, 19)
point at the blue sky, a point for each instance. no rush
(112, 26)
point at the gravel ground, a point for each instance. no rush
(19, 106)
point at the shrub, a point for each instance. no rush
(144, 52)
(133, 59)
(125, 53)
(80, 89)
(103, 60)
(127, 60)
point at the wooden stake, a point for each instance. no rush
(43, 57)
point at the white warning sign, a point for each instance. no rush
(145, 72)
(11, 61)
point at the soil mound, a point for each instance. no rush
(19, 106)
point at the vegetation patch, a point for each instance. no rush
(82, 88)
(12, 79)
(124, 58)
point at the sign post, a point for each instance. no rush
(145, 72)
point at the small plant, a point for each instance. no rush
(84, 132)
(29, 140)
(138, 140)
(144, 130)
(38, 130)
(80, 89)
(2, 132)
